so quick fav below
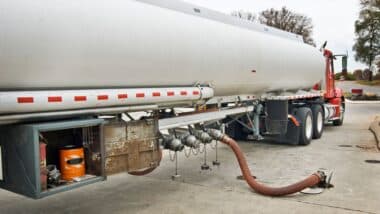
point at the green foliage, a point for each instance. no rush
(377, 77)
(347, 95)
(349, 77)
(358, 74)
(367, 29)
(369, 83)
(338, 76)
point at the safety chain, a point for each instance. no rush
(195, 151)
(172, 157)
(187, 152)
(215, 145)
(201, 151)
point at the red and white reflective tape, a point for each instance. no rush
(295, 96)
(41, 101)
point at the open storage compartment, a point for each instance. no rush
(47, 158)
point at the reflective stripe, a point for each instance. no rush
(25, 100)
(57, 99)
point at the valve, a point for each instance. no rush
(215, 134)
(205, 139)
(172, 144)
(203, 136)
(190, 141)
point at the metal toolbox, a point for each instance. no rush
(21, 162)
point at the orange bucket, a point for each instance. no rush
(72, 162)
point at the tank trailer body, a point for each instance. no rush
(77, 74)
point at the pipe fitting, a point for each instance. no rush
(203, 136)
(173, 144)
(215, 134)
(190, 141)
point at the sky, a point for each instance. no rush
(333, 19)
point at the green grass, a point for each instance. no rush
(373, 83)
(347, 95)
(350, 76)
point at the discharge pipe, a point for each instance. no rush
(203, 136)
(317, 178)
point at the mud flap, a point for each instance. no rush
(292, 134)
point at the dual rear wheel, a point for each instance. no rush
(311, 123)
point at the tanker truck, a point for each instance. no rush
(91, 88)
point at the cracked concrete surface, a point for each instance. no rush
(342, 150)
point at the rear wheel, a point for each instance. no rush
(318, 121)
(305, 117)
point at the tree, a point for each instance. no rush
(367, 29)
(244, 15)
(289, 21)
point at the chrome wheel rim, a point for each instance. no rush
(308, 127)
(319, 122)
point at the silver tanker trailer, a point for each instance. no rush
(72, 74)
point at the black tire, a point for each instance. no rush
(339, 122)
(304, 115)
(318, 121)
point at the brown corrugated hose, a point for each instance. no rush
(149, 170)
(312, 180)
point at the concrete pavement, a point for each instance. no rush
(342, 150)
(375, 128)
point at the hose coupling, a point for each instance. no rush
(173, 144)
(325, 180)
(190, 141)
(215, 134)
(203, 136)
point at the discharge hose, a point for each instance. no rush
(310, 181)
